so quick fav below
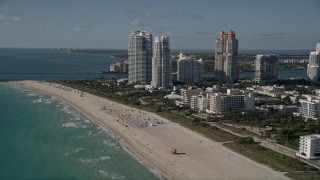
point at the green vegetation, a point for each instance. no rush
(245, 140)
(289, 66)
(304, 175)
(287, 127)
(268, 157)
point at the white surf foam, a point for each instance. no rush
(111, 144)
(97, 133)
(38, 100)
(69, 124)
(104, 173)
(103, 158)
(77, 150)
(88, 160)
(65, 109)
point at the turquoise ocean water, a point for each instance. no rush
(41, 137)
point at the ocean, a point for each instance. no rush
(43, 138)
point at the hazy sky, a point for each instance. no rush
(190, 24)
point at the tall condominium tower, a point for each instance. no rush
(189, 69)
(161, 63)
(266, 67)
(318, 47)
(226, 57)
(139, 57)
(313, 68)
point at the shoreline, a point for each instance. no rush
(105, 129)
(200, 157)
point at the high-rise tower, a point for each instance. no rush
(313, 68)
(318, 47)
(226, 57)
(266, 68)
(139, 57)
(161, 63)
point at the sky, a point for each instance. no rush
(190, 24)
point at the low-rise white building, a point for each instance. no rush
(272, 91)
(310, 107)
(232, 100)
(309, 147)
(188, 93)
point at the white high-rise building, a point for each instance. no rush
(309, 147)
(266, 68)
(189, 69)
(318, 47)
(161, 63)
(313, 68)
(140, 57)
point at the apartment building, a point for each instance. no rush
(309, 147)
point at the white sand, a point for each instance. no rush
(203, 158)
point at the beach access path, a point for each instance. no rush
(150, 138)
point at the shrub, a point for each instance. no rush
(245, 140)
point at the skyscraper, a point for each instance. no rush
(266, 68)
(313, 69)
(226, 57)
(318, 47)
(189, 69)
(139, 57)
(161, 63)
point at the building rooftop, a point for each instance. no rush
(312, 136)
(314, 53)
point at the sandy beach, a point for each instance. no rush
(150, 138)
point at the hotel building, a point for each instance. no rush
(232, 100)
(188, 93)
(140, 57)
(309, 147)
(199, 102)
(266, 68)
(161, 63)
(226, 57)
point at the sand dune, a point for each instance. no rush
(199, 158)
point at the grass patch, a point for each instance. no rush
(292, 143)
(211, 132)
(304, 175)
(243, 132)
(269, 157)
